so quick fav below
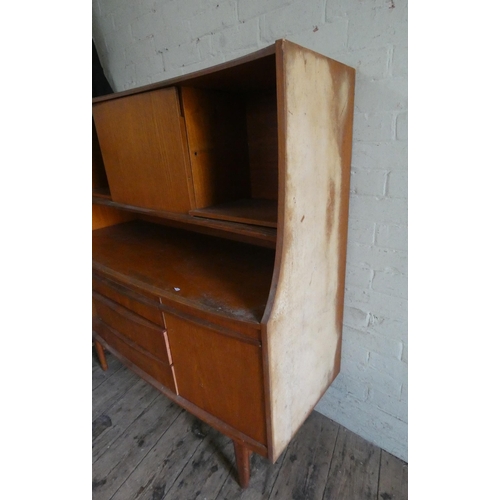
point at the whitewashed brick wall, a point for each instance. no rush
(152, 40)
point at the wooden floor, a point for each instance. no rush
(145, 447)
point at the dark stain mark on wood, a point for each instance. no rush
(99, 425)
(293, 458)
(158, 492)
(386, 496)
(97, 483)
(330, 209)
(197, 430)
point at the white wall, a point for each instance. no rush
(152, 40)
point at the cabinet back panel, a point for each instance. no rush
(218, 151)
(262, 127)
(144, 150)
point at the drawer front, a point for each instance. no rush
(137, 302)
(220, 374)
(161, 372)
(145, 334)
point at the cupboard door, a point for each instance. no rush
(143, 144)
(220, 374)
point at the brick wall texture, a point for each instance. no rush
(152, 40)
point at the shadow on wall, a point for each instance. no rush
(100, 84)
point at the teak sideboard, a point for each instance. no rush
(220, 205)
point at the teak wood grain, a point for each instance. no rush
(219, 374)
(144, 152)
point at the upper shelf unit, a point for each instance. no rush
(205, 146)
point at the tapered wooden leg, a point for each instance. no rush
(100, 354)
(242, 454)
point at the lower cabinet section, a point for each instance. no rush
(219, 374)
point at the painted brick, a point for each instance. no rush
(385, 210)
(392, 236)
(391, 366)
(397, 184)
(336, 8)
(172, 34)
(360, 277)
(402, 126)
(242, 36)
(391, 283)
(389, 404)
(377, 258)
(373, 127)
(392, 95)
(399, 61)
(387, 155)
(367, 421)
(377, 26)
(388, 306)
(370, 63)
(291, 19)
(327, 39)
(368, 182)
(355, 318)
(404, 353)
(250, 8)
(361, 231)
(216, 15)
(144, 26)
(377, 303)
(372, 342)
(388, 327)
(123, 16)
(351, 386)
(356, 297)
(147, 61)
(184, 55)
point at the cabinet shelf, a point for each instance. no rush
(257, 212)
(222, 277)
(259, 235)
(102, 193)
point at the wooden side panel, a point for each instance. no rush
(144, 150)
(218, 151)
(303, 324)
(219, 374)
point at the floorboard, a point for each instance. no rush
(147, 448)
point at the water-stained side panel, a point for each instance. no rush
(304, 323)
